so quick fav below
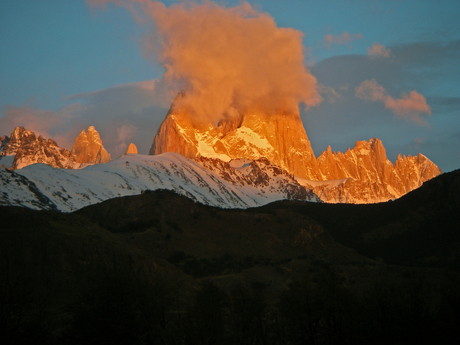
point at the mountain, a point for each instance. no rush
(278, 137)
(25, 148)
(234, 184)
(88, 148)
(365, 175)
(132, 149)
(29, 149)
(361, 175)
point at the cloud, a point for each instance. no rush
(227, 59)
(47, 123)
(125, 134)
(344, 38)
(121, 114)
(330, 93)
(428, 53)
(378, 51)
(429, 67)
(409, 106)
(417, 142)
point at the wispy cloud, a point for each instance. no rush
(410, 106)
(378, 51)
(330, 93)
(344, 38)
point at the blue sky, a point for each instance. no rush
(65, 66)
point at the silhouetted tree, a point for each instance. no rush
(207, 319)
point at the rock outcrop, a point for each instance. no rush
(28, 149)
(361, 175)
(132, 149)
(278, 137)
(88, 148)
(4, 139)
(364, 174)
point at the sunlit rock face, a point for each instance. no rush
(88, 148)
(132, 149)
(365, 175)
(29, 149)
(360, 175)
(279, 137)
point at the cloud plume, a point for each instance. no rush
(227, 59)
(409, 106)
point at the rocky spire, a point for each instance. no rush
(29, 149)
(278, 137)
(360, 175)
(132, 149)
(88, 148)
(369, 176)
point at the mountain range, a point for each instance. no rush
(360, 175)
(221, 236)
(245, 160)
(25, 148)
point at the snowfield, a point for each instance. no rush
(41, 186)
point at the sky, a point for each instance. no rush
(381, 69)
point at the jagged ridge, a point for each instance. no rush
(29, 149)
(361, 175)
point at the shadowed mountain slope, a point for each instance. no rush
(153, 264)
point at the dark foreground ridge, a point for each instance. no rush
(158, 268)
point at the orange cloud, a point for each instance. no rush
(378, 50)
(344, 38)
(226, 59)
(46, 123)
(409, 106)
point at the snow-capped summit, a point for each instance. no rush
(279, 137)
(208, 181)
(28, 149)
(18, 137)
(365, 172)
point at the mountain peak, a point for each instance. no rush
(17, 138)
(88, 148)
(279, 137)
(28, 149)
(365, 171)
(132, 149)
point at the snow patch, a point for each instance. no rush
(248, 135)
(329, 183)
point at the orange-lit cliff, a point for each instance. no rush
(360, 175)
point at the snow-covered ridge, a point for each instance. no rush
(27, 148)
(208, 181)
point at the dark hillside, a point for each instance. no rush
(420, 229)
(159, 268)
